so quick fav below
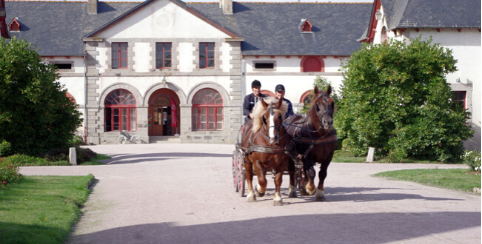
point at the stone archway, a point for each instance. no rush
(163, 117)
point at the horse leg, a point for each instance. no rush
(308, 181)
(262, 183)
(320, 191)
(251, 197)
(291, 172)
(277, 201)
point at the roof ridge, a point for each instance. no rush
(69, 1)
(285, 2)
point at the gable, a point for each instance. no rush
(161, 19)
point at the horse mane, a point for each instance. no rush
(259, 111)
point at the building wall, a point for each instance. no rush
(163, 21)
(287, 72)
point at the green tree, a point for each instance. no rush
(395, 97)
(35, 114)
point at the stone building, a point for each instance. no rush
(167, 69)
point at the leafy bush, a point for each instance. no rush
(77, 140)
(25, 160)
(395, 97)
(472, 159)
(85, 155)
(62, 154)
(35, 113)
(5, 148)
(8, 173)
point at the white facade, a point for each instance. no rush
(287, 71)
(163, 22)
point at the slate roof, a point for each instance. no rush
(57, 28)
(432, 14)
(273, 28)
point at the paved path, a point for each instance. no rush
(183, 193)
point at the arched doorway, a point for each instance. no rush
(163, 114)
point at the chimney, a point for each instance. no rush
(92, 6)
(227, 6)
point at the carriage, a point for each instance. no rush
(302, 141)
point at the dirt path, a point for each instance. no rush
(183, 193)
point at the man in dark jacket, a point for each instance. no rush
(280, 94)
(251, 99)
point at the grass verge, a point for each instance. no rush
(42, 209)
(341, 156)
(95, 161)
(455, 179)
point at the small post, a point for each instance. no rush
(72, 156)
(371, 155)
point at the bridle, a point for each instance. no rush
(272, 129)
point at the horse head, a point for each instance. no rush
(269, 114)
(323, 107)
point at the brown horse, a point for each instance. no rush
(315, 139)
(265, 140)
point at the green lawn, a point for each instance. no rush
(95, 161)
(456, 179)
(341, 156)
(41, 209)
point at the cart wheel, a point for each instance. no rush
(235, 171)
(241, 178)
(242, 183)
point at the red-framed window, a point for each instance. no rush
(459, 99)
(306, 97)
(207, 110)
(119, 55)
(163, 55)
(206, 55)
(120, 111)
(312, 64)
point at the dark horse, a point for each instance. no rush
(315, 139)
(264, 140)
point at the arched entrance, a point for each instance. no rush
(163, 115)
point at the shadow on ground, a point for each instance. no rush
(352, 194)
(139, 158)
(321, 228)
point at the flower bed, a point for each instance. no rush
(472, 159)
(8, 173)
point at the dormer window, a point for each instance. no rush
(305, 25)
(14, 25)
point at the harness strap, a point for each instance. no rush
(322, 140)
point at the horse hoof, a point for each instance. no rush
(258, 194)
(293, 194)
(251, 199)
(278, 203)
(321, 199)
(303, 192)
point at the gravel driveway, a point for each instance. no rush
(183, 193)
